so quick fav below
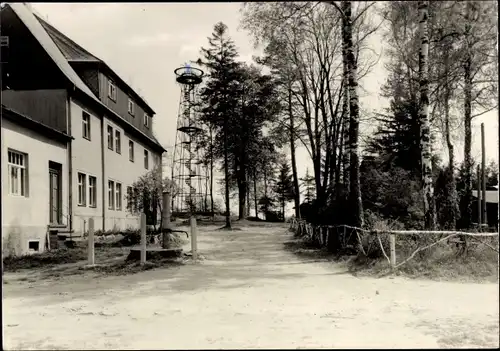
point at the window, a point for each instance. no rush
(129, 198)
(17, 173)
(110, 137)
(92, 191)
(33, 245)
(111, 195)
(146, 159)
(131, 151)
(118, 142)
(130, 106)
(85, 125)
(82, 178)
(146, 120)
(111, 90)
(118, 193)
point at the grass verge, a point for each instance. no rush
(479, 264)
(110, 260)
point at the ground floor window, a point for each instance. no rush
(118, 193)
(17, 170)
(82, 185)
(111, 195)
(92, 191)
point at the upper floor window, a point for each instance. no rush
(118, 142)
(131, 151)
(17, 167)
(111, 90)
(146, 120)
(130, 106)
(146, 159)
(110, 137)
(85, 125)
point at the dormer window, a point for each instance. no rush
(111, 90)
(130, 106)
(146, 120)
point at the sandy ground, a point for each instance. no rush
(247, 293)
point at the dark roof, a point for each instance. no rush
(47, 43)
(71, 50)
(74, 53)
(34, 125)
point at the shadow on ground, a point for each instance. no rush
(230, 259)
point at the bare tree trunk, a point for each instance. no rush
(211, 172)
(226, 174)
(296, 196)
(255, 193)
(265, 194)
(355, 187)
(242, 190)
(452, 186)
(425, 133)
(467, 200)
(248, 200)
(346, 118)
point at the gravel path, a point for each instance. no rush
(247, 293)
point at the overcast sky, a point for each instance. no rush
(144, 43)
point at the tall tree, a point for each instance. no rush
(217, 96)
(425, 133)
(284, 186)
(308, 184)
(306, 37)
(480, 85)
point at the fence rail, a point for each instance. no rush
(346, 237)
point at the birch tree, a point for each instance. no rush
(425, 133)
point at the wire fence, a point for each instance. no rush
(390, 244)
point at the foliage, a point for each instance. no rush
(398, 136)
(302, 47)
(146, 194)
(309, 189)
(393, 194)
(266, 205)
(447, 210)
(284, 186)
(237, 102)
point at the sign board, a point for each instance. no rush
(4, 40)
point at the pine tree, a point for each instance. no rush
(217, 96)
(284, 186)
(308, 184)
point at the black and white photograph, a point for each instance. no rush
(250, 175)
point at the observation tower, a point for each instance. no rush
(187, 167)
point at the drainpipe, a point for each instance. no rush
(103, 176)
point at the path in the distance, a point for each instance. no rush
(248, 293)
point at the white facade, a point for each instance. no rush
(26, 215)
(118, 169)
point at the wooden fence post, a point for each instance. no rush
(143, 238)
(91, 257)
(194, 246)
(165, 221)
(392, 238)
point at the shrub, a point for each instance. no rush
(46, 258)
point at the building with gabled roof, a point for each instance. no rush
(58, 83)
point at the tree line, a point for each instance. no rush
(304, 91)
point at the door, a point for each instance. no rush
(55, 195)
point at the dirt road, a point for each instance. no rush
(248, 293)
